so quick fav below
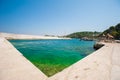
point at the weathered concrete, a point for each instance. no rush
(14, 66)
(115, 72)
(103, 64)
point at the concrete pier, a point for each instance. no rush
(14, 66)
(103, 64)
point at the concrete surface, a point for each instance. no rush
(103, 64)
(14, 66)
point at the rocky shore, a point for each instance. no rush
(98, 45)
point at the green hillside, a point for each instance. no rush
(113, 30)
(83, 34)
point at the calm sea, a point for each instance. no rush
(52, 56)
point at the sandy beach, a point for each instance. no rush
(102, 64)
(22, 36)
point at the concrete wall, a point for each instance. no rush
(14, 66)
(103, 64)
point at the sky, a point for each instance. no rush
(57, 17)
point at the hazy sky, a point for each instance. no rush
(57, 17)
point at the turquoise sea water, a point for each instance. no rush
(52, 56)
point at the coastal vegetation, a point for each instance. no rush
(113, 30)
(84, 34)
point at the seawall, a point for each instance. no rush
(103, 64)
(14, 66)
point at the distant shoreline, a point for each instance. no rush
(10, 36)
